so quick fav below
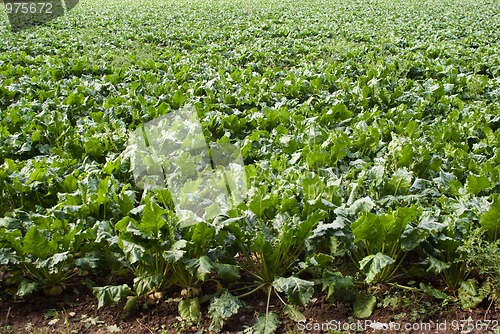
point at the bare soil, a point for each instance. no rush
(76, 312)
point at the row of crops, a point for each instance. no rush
(369, 131)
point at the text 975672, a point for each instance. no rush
(28, 7)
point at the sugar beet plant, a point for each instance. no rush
(160, 255)
(43, 260)
(269, 255)
(382, 241)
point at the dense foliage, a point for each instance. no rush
(370, 132)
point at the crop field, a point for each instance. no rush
(349, 167)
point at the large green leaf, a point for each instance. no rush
(228, 272)
(337, 286)
(177, 251)
(36, 244)
(298, 291)
(491, 219)
(477, 184)
(364, 204)
(415, 235)
(470, 295)
(266, 323)
(364, 305)
(26, 288)
(189, 309)
(403, 217)
(111, 294)
(368, 228)
(431, 291)
(54, 263)
(448, 182)
(437, 266)
(200, 267)
(202, 234)
(373, 264)
(7, 256)
(133, 251)
(144, 284)
(152, 218)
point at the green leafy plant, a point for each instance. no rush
(268, 259)
(445, 257)
(484, 256)
(159, 258)
(43, 253)
(381, 242)
(221, 308)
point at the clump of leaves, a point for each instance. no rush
(221, 308)
(381, 242)
(44, 252)
(269, 255)
(483, 255)
(446, 259)
(161, 255)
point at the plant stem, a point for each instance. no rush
(252, 291)
(268, 302)
(409, 288)
(277, 294)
